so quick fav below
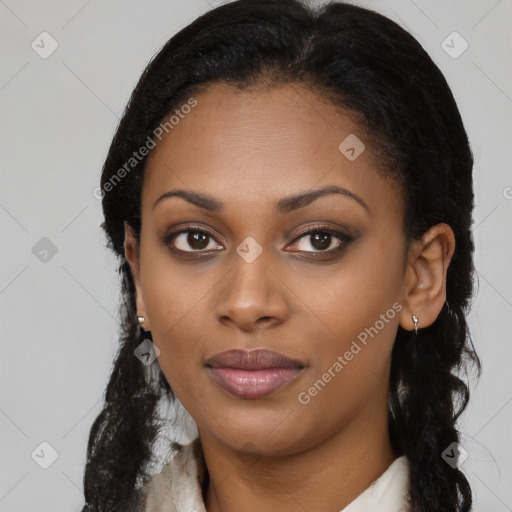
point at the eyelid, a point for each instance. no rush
(324, 229)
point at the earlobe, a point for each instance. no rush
(426, 277)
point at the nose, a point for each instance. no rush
(253, 296)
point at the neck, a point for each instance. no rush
(327, 476)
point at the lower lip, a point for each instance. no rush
(253, 383)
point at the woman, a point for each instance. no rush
(290, 196)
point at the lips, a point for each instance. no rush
(252, 374)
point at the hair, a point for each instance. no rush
(366, 64)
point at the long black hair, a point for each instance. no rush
(368, 65)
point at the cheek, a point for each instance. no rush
(359, 312)
(175, 298)
(171, 289)
(352, 297)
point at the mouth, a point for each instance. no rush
(252, 374)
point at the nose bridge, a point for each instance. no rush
(250, 281)
(252, 291)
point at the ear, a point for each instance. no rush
(425, 277)
(132, 253)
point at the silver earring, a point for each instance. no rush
(141, 320)
(415, 320)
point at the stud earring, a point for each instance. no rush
(141, 320)
(415, 320)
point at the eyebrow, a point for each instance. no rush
(283, 205)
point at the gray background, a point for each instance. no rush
(58, 311)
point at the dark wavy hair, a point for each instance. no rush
(369, 66)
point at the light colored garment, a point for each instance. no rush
(177, 487)
(387, 493)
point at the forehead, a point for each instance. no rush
(260, 143)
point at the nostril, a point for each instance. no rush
(264, 319)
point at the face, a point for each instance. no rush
(275, 318)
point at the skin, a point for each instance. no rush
(249, 149)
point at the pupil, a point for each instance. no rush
(197, 240)
(322, 239)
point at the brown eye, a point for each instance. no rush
(321, 240)
(197, 240)
(192, 240)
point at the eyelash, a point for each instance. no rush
(343, 238)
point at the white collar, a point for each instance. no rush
(387, 493)
(176, 468)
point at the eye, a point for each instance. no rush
(192, 239)
(318, 239)
(322, 240)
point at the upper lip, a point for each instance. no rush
(257, 359)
